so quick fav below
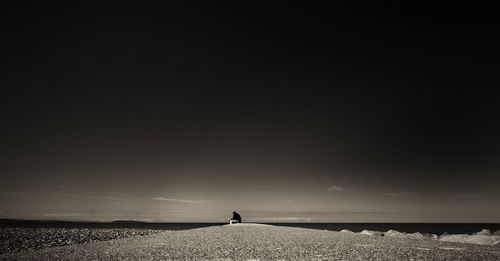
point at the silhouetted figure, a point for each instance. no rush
(236, 218)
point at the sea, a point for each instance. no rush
(431, 228)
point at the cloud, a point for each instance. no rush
(286, 219)
(183, 200)
(397, 194)
(15, 193)
(469, 195)
(290, 201)
(336, 188)
(63, 214)
(201, 212)
(85, 196)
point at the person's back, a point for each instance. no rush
(236, 216)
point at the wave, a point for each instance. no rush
(483, 237)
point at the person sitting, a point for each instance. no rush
(236, 218)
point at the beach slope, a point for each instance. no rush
(263, 242)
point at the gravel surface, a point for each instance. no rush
(28, 239)
(263, 242)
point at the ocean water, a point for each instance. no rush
(103, 225)
(431, 228)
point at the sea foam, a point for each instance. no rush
(483, 237)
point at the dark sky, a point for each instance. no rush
(285, 111)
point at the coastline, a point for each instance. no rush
(263, 242)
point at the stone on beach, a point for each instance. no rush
(263, 242)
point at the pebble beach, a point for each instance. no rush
(17, 239)
(261, 242)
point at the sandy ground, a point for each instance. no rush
(262, 242)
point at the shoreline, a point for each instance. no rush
(261, 241)
(428, 227)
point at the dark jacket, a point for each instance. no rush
(237, 216)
